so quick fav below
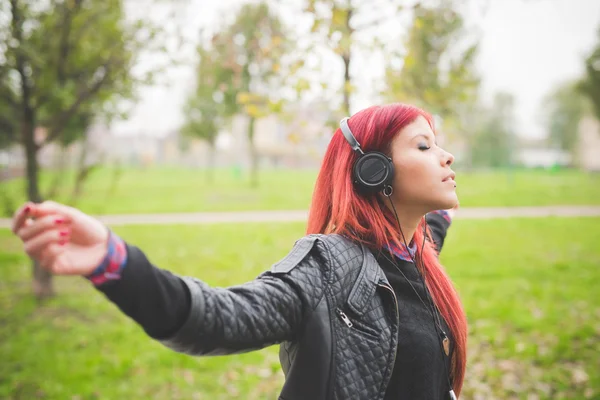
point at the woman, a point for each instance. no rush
(361, 305)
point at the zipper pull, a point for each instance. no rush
(344, 317)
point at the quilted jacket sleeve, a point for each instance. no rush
(267, 310)
(439, 222)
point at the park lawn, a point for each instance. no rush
(529, 287)
(160, 190)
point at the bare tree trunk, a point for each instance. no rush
(58, 179)
(253, 154)
(42, 279)
(31, 152)
(83, 171)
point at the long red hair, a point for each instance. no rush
(337, 208)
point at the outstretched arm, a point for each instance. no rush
(183, 313)
(189, 316)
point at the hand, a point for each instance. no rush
(62, 239)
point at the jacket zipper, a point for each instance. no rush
(389, 289)
(332, 368)
(344, 317)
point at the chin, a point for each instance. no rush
(446, 203)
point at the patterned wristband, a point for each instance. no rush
(113, 262)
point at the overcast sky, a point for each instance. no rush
(527, 47)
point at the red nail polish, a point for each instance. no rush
(62, 242)
(64, 233)
(59, 221)
(27, 209)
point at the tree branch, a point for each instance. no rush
(65, 47)
(56, 126)
(89, 23)
(8, 97)
(7, 93)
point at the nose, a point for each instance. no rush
(447, 158)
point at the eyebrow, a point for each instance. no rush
(428, 137)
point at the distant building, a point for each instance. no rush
(543, 158)
(535, 153)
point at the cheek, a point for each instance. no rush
(415, 180)
(412, 174)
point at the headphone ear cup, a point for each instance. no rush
(373, 171)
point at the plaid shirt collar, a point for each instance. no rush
(402, 252)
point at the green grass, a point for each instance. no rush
(529, 287)
(186, 190)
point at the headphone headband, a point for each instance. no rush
(349, 136)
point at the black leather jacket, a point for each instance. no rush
(305, 302)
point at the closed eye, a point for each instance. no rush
(423, 147)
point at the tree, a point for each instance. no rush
(59, 62)
(337, 22)
(590, 84)
(203, 111)
(346, 26)
(252, 65)
(563, 108)
(75, 130)
(493, 142)
(437, 71)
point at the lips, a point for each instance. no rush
(450, 177)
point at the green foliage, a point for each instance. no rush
(563, 109)
(532, 311)
(590, 84)
(67, 61)
(494, 139)
(8, 128)
(63, 64)
(437, 70)
(335, 24)
(202, 111)
(331, 19)
(250, 63)
(248, 60)
(71, 62)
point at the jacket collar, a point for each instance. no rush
(364, 288)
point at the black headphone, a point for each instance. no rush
(373, 171)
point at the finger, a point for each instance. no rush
(21, 216)
(51, 207)
(37, 244)
(33, 228)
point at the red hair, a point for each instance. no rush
(337, 208)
